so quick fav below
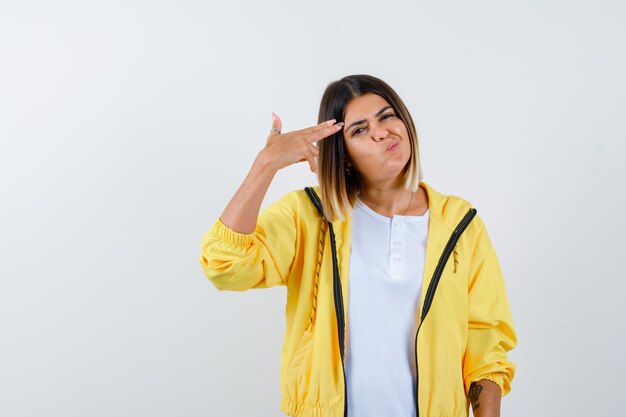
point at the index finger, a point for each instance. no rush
(325, 132)
(316, 127)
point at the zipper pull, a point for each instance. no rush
(455, 259)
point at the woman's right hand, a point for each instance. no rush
(284, 149)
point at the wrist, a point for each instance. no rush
(263, 164)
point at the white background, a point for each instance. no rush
(126, 127)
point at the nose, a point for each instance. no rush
(379, 133)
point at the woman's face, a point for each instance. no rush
(371, 128)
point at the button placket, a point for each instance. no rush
(395, 250)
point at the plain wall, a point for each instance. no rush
(126, 127)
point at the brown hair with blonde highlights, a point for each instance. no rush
(338, 188)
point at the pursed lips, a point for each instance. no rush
(392, 146)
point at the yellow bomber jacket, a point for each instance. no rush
(465, 327)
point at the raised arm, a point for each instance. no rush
(245, 250)
(280, 150)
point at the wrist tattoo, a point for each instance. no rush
(474, 393)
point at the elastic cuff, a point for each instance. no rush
(498, 378)
(223, 232)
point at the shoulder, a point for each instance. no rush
(451, 209)
(476, 231)
(447, 208)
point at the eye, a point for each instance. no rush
(360, 129)
(357, 131)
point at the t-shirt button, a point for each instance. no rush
(396, 259)
(396, 243)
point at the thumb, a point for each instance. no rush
(276, 123)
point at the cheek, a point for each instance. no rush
(399, 130)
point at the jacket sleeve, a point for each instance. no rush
(261, 259)
(491, 333)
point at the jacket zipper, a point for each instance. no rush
(339, 313)
(337, 293)
(432, 287)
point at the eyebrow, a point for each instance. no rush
(358, 122)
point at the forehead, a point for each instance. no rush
(364, 106)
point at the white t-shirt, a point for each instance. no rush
(385, 280)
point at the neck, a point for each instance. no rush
(388, 201)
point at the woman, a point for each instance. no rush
(396, 304)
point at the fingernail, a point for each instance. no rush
(273, 116)
(340, 124)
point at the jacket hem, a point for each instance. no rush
(296, 409)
